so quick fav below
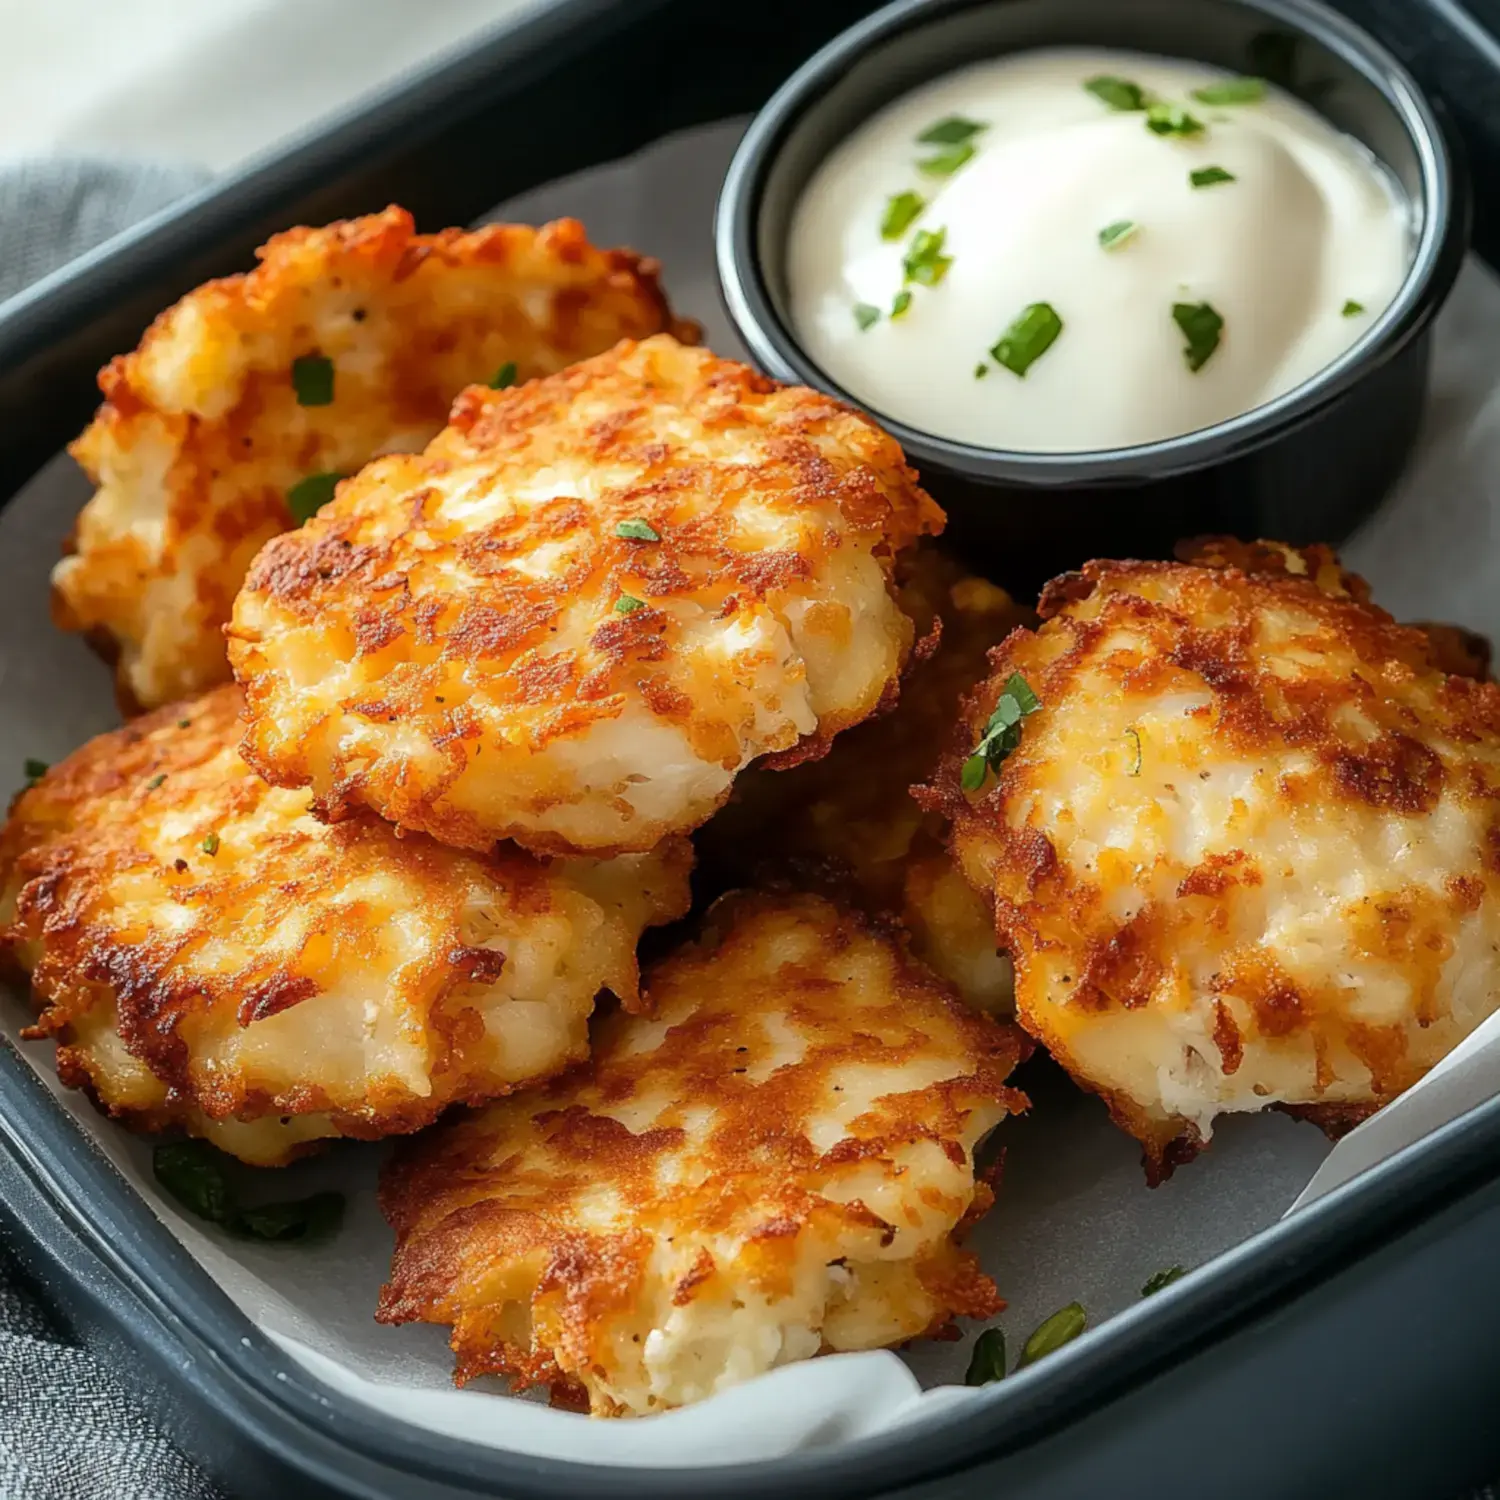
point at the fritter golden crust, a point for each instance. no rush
(208, 954)
(851, 813)
(201, 436)
(773, 1164)
(1247, 850)
(468, 644)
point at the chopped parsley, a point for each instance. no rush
(210, 845)
(1118, 93)
(1162, 1279)
(1116, 234)
(1032, 334)
(1353, 309)
(981, 370)
(308, 496)
(196, 1175)
(1202, 327)
(1232, 91)
(627, 604)
(637, 530)
(156, 781)
(925, 262)
(947, 161)
(900, 210)
(184, 723)
(987, 1363)
(1061, 1328)
(953, 130)
(312, 380)
(1002, 733)
(899, 303)
(1208, 176)
(1135, 736)
(34, 769)
(1172, 119)
(866, 315)
(504, 376)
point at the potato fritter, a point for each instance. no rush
(1245, 851)
(208, 954)
(852, 811)
(773, 1164)
(204, 431)
(585, 607)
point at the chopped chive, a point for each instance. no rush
(1117, 233)
(953, 130)
(866, 315)
(1061, 1328)
(1353, 309)
(1119, 93)
(981, 370)
(1172, 119)
(899, 303)
(925, 262)
(504, 376)
(1202, 327)
(1033, 333)
(627, 604)
(1208, 176)
(1002, 732)
(308, 496)
(1162, 1279)
(987, 1363)
(1135, 735)
(946, 162)
(900, 210)
(1232, 91)
(637, 530)
(156, 781)
(210, 844)
(34, 769)
(312, 380)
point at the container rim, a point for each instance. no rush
(1437, 258)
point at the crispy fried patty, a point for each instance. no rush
(1245, 852)
(585, 607)
(772, 1164)
(206, 428)
(209, 954)
(852, 812)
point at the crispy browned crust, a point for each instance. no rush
(486, 631)
(154, 887)
(200, 431)
(1457, 651)
(1419, 738)
(537, 1227)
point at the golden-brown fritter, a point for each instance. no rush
(1245, 851)
(202, 435)
(852, 811)
(208, 954)
(770, 1165)
(585, 607)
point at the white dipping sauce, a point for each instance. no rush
(1297, 255)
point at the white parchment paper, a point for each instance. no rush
(1074, 1219)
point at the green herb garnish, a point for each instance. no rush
(196, 1175)
(1118, 93)
(1162, 1279)
(1061, 1328)
(156, 781)
(1032, 334)
(900, 210)
(1201, 326)
(899, 303)
(947, 162)
(637, 530)
(953, 130)
(184, 723)
(1135, 735)
(312, 380)
(1117, 233)
(987, 1363)
(504, 376)
(1353, 309)
(210, 845)
(1232, 91)
(925, 262)
(981, 370)
(308, 496)
(1172, 119)
(627, 604)
(1208, 176)
(866, 315)
(34, 769)
(1002, 733)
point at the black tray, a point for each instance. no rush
(1351, 1351)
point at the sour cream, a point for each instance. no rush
(1069, 250)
